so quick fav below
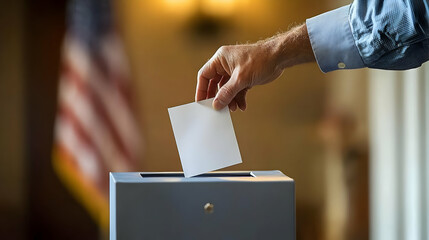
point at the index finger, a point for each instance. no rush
(213, 69)
(204, 75)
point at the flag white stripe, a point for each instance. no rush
(113, 53)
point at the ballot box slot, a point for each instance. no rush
(213, 174)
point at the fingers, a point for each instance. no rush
(241, 99)
(212, 70)
(204, 75)
(223, 80)
(216, 74)
(213, 86)
(232, 105)
(227, 93)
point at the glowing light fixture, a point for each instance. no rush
(218, 8)
(181, 7)
(215, 8)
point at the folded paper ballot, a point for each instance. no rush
(205, 137)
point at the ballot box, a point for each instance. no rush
(217, 205)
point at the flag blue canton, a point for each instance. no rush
(89, 21)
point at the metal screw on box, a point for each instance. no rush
(208, 208)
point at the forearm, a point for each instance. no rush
(291, 48)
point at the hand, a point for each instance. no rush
(236, 69)
(233, 70)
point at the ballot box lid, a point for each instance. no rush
(217, 176)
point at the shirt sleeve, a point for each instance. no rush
(332, 41)
(372, 33)
(391, 34)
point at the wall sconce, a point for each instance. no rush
(205, 18)
(218, 8)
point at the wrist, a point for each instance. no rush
(291, 48)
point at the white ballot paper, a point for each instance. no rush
(205, 137)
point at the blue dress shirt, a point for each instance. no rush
(389, 34)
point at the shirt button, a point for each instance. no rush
(341, 65)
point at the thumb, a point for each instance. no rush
(226, 93)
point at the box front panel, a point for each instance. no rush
(238, 210)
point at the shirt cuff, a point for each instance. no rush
(332, 41)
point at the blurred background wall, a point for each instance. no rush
(12, 138)
(311, 126)
(33, 203)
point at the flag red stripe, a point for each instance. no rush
(124, 91)
(87, 90)
(68, 114)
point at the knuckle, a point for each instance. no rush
(200, 72)
(204, 70)
(222, 50)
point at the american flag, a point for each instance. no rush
(96, 131)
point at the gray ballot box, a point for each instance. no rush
(217, 205)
